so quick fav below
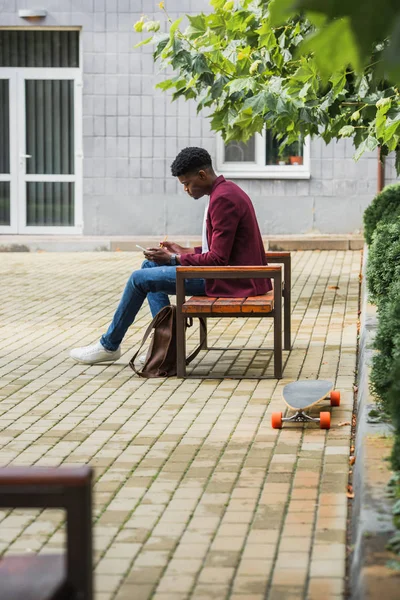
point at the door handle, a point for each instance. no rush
(25, 155)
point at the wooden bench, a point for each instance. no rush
(268, 305)
(50, 576)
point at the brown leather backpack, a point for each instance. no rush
(161, 355)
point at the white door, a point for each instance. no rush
(8, 153)
(40, 146)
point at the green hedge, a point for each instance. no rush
(393, 397)
(384, 206)
(383, 280)
(383, 260)
(387, 343)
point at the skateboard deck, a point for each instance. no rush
(303, 394)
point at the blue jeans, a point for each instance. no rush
(152, 281)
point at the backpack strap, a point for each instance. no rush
(154, 322)
(146, 335)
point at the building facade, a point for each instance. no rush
(86, 140)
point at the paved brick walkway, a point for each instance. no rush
(196, 496)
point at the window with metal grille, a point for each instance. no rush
(30, 48)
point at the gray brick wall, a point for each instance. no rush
(132, 133)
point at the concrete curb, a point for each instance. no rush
(76, 243)
(372, 524)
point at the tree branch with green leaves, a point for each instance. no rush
(297, 71)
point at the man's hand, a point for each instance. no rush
(176, 248)
(161, 256)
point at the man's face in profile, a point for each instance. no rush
(194, 184)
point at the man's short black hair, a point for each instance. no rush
(190, 160)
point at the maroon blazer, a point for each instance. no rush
(234, 238)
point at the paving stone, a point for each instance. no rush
(195, 496)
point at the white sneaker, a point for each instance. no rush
(96, 353)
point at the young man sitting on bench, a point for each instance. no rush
(231, 236)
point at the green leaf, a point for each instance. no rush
(197, 26)
(397, 162)
(370, 21)
(138, 27)
(260, 103)
(218, 86)
(218, 4)
(280, 11)
(182, 59)
(338, 36)
(346, 131)
(392, 125)
(174, 27)
(170, 83)
(267, 37)
(338, 81)
(161, 45)
(360, 150)
(143, 42)
(391, 55)
(371, 143)
(242, 84)
(200, 65)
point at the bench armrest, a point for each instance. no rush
(279, 257)
(277, 254)
(49, 476)
(234, 272)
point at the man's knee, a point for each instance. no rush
(148, 264)
(150, 280)
(141, 279)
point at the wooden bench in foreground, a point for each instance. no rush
(50, 576)
(267, 305)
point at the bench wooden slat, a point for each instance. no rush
(227, 305)
(37, 577)
(219, 306)
(263, 303)
(198, 304)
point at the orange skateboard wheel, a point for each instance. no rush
(335, 398)
(276, 420)
(325, 420)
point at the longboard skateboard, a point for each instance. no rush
(303, 394)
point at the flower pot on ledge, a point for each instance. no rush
(296, 160)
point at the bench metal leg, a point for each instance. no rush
(203, 333)
(180, 346)
(278, 347)
(278, 331)
(79, 542)
(287, 301)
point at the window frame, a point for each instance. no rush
(258, 169)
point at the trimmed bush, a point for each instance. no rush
(383, 260)
(387, 342)
(394, 405)
(385, 206)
